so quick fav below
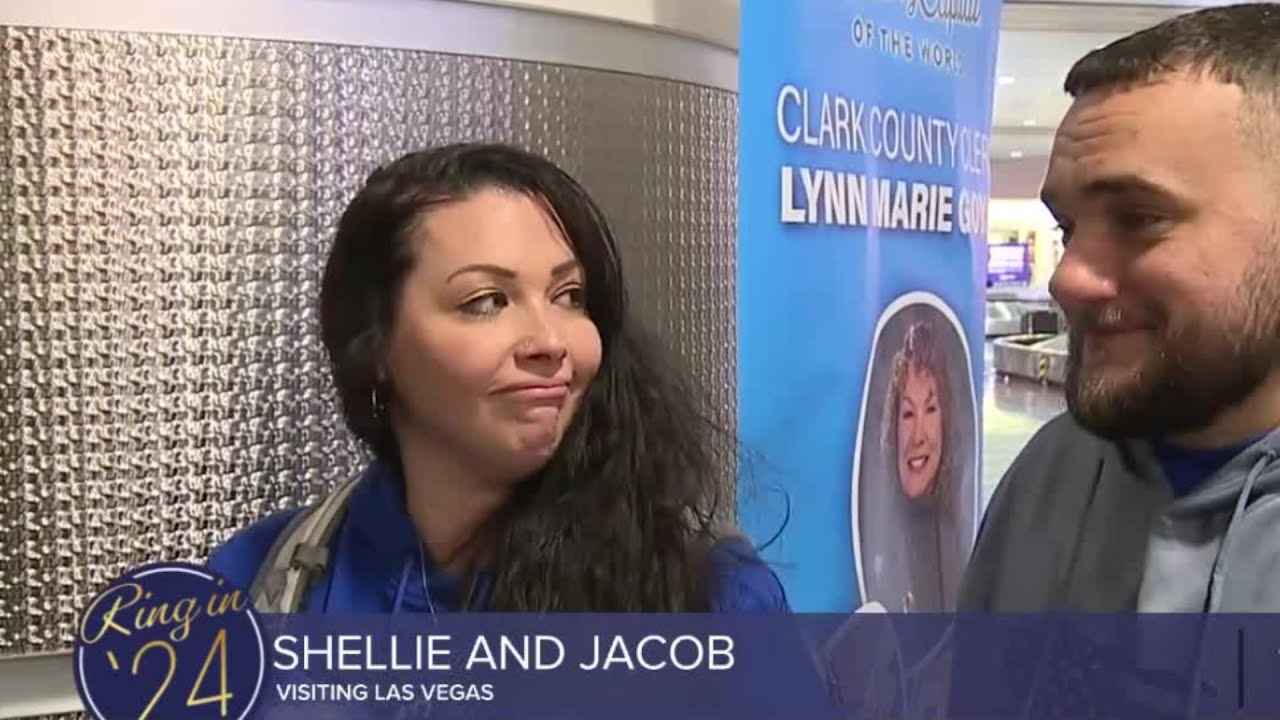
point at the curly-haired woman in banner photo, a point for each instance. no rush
(920, 450)
(532, 451)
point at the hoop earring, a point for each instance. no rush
(374, 406)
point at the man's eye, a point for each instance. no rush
(1136, 221)
(1065, 228)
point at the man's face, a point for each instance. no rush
(1170, 278)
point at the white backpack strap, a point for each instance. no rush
(300, 553)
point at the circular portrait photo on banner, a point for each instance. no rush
(914, 495)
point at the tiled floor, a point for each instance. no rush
(1012, 411)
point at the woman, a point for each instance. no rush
(916, 439)
(917, 399)
(531, 450)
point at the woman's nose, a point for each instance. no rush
(913, 434)
(543, 340)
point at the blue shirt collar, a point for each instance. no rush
(1187, 468)
(380, 519)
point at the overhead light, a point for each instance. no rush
(1015, 154)
(1006, 79)
(1028, 123)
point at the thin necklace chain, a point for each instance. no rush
(431, 606)
(422, 566)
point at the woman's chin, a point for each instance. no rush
(916, 487)
(530, 451)
(534, 437)
(529, 446)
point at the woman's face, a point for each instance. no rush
(919, 432)
(492, 349)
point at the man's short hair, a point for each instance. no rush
(1235, 44)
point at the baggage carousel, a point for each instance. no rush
(1008, 310)
(1038, 357)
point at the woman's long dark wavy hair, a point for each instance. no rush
(622, 517)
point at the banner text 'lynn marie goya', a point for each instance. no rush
(823, 196)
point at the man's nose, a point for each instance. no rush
(1086, 274)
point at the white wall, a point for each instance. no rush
(1018, 178)
(1015, 205)
(653, 38)
(1028, 216)
(712, 20)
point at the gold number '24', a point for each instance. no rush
(219, 646)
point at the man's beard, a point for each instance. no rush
(1199, 368)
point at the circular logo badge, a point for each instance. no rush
(169, 640)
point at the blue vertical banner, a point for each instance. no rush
(865, 173)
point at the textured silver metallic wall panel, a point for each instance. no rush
(166, 203)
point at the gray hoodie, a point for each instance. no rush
(1084, 524)
(1218, 549)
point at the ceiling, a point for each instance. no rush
(1029, 100)
(1039, 41)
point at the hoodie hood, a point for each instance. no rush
(1218, 548)
(1257, 466)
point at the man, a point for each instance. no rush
(1160, 490)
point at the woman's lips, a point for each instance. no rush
(538, 395)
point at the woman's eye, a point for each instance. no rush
(931, 410)
(489, 304)
(908, 414)
(574, 297)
